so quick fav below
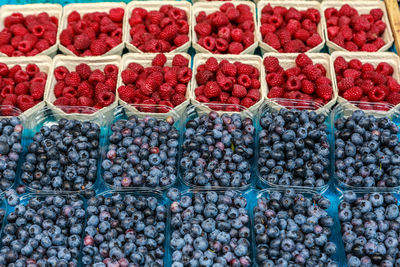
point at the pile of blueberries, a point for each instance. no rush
(124, 230)
(10, 150)
(218, 150)
(293, 230)
(370, 226)
(142, 152)
(210, 229)
(63, 156)
(45, 232)
(367, 151)
(293, 148)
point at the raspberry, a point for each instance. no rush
(85, 101)
(340, 64)
(83, 70)
(180, 61)
(211, 64)
(72, 79)
(178, 99)
(294, 46)
(239, 91)
(98, 47)
(37, 90)
(302, 34)
(247, 102)
(85, 89)
(105, 98)
(275, 92)
(25, 102)
(353, 94)
(254, 94)
(212, 89)
(314, 40)
(302, 60)
(116, 14)
(272, 40)
(184, 75)
(376, 94)
(384, 68)
(293, 83)
(97, 76)
(271, 64)
(394, 98)
(7, 49)
(345, 83)
(307, 87)
(129, 76)
(11, 99)
(82, 42)
(159, 60)
(171, 78)
(369, 48)
(21, 76)
(235, 48)
(60, 73)
(5, 37)
(203, 29)
(22, 88)
(228, 69)
(233, 100)
(62, 101)
(324, 91)
(8, 89)
(275, 79)
(312, 72)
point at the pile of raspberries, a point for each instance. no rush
(306, 81)
(290, 30)
(159, 31)
(85, 87)
(158, 85)
(227, 31)
(366, 83)
(227, 83)
(94, 33)
(28, 35)
(21, 87)
(353, 31)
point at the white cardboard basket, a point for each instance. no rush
(253, 60)
(374, 59)
(145, 60)
(35, 9)
(299, 5)
(89, 8)
(44, 64)
(70, 62)
(150, 6)
(210, 7)
(287, 60)
(363, 7)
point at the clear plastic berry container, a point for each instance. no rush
(160, 201)
(340, 199)
(194, 112)
(141, 112)
(24, 201)
(377, 110)
(47, 117)
(191, 193)
(275, 105)
(335, 236)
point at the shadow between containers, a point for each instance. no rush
(277, 104)
(346, 109)
(194, 111)
(47, 116)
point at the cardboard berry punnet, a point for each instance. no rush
(155, 6)
(298, 5)
(34, 9)
(210, 7)
(86, 8)
(70, 62)
(363, 7)
(146, 61)
(288, 60)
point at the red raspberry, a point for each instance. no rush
(22, 88)
(312, 72)
(58, 89)
(69, 92)
(340, 64)
(98, 47)
(254, 94)
(62, 101)
(211, 64)
(10, 99)
(228, 69)
(376, 94)
(384, 68)
(184, 75)
(85, 101)
(203, 29)
(212, 89)
(83, 70)
(355, 74)
(37, 91)
(129, 76)
(105, 98)
(324, 91)
(247, 102)
(72, 79)
(7, 49)
(178, 99)
(369, 48)
(293, 83)
(275, 79)
(302, 60)
(271, 64)
(181, 40)
(60, 73)
(116, 14)
(180, 89)
(171, 77)
(394, 98)
(353, 94)
(294, 46)
(180, 61)
(272, 40)
(345, 84)
(159, 60)
(239, 91)
(5, 37)
(25, 102)
(8, 89)
(314, 40)
(275, 92)
(21, 76)
(85, 89)
(81, 42)
(307, 87)
(233, 100)
(97, 76)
